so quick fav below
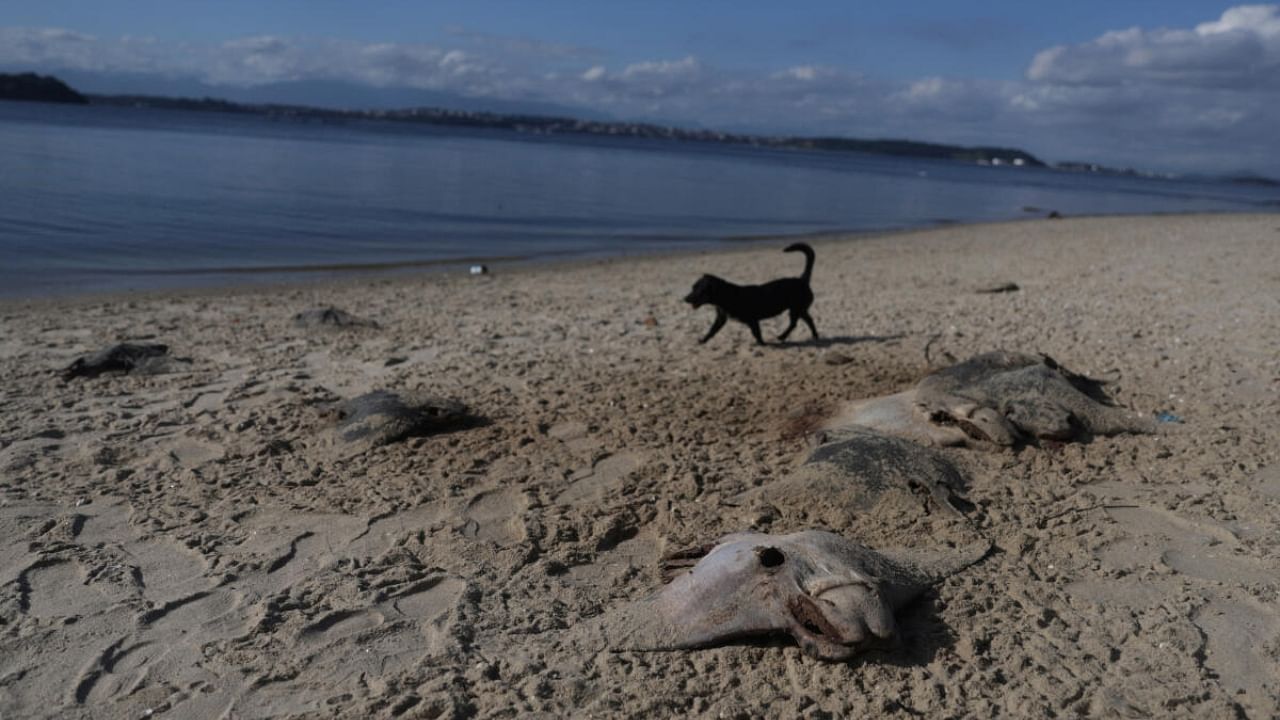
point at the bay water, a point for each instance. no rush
(96, 198)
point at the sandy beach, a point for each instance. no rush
(190, 544)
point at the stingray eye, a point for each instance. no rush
(770, 556)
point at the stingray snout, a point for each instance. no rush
(840, 619)
(865, 607)
(820, 635)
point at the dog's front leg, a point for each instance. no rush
(755, 330)
(721, 318)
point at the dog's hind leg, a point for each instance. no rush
(807, 321)
(755, 330)
(794, 319)
(721, 318)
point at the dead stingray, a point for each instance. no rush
(1000, 398)
(140, 358)
(384, 416)
(997, 288)
(856, 471)
(330, 317)
(834, 596)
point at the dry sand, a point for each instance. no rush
(186, 545)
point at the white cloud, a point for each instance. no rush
(259, 60)
(805, 73)
(927, 88)
(1239, 50)
(1202, 96)
(62, 35)
(265, 44)
(663, 68)
(50, 49)
(1261, 19)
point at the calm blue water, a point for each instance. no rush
(95, 198)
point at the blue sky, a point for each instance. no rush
(1161, 84)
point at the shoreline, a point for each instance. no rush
(193, 543)
(341, 274)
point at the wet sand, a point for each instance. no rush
(188, 544)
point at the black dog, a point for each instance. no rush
(752, 303)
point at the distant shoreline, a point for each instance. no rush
(49, 88)
(551, 125)
(32, 87)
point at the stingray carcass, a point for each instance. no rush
(1000, 398)
(125, 358)
(329, 316)
(834, 596)
(854, 473)
(384, 416)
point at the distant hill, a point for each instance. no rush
(552, 125)
(332, 94)
(38, 88)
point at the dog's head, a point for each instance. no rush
(702, 291)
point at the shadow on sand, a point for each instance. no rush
(826, 342)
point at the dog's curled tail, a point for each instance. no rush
(808, 258)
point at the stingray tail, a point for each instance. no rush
(932, 566)
(808, 258)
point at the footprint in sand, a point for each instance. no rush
(1159, 537)
(606, 477)
(114, 672)
(342, 652)
(433, 609)
(409, 626)
(1156, 522)
(495, 516)
(192, 453)
(167, 570)
(575, 435)
(385, 531)
(1216, 564)
(431, 600)
(166, 639)
(217, 613)
(340, 624)
(207, 397)
(1147, 593)
(1237, 635)
(56, 589)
